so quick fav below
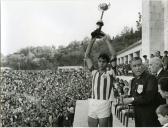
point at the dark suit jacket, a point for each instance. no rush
(148, 94)
(145, 100)
(163, 73)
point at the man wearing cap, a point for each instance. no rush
(143, 95)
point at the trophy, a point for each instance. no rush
(98, 33)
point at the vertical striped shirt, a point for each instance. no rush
(102, 84)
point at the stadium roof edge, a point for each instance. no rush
(130, 47)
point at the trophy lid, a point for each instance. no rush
(104, 6)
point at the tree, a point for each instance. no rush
(126, 30)
(139, 22)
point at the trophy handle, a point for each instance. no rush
(99, 24)
(102, 15)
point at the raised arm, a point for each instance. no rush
(107, 39)
(87, 53)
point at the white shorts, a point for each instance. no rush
(99, 108)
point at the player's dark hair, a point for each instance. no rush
(136, 58)
(104, 56)
(163, 82)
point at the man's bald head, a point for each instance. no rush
(157, 61)
(155, 64)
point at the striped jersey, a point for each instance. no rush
(102, 84)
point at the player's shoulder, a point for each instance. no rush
(110, 72)
(94, 71)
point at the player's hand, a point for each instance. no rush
(97, 34)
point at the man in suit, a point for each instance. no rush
(156, 67)
(143, 95)
(163, 88)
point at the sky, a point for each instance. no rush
(58, 22)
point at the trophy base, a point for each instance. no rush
(97, 34)
(100, 23)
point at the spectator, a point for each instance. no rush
(114, 64)
(126, 90)
(120, 89)
(126, 68)
(66, 120)
(157, 54)
(163, 88)
(162, 113)
(71, 115)
(165, 60)
(151, 56)
(60, 120)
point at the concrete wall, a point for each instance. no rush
(128, 54)
(154, 26)
(145, 28)
(156, 34)
(166, 24)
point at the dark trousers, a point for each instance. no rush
(146, 118)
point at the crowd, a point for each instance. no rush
(42, 98)
(121, 90)
(45, 98)
(123, 69)
(120, 87)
